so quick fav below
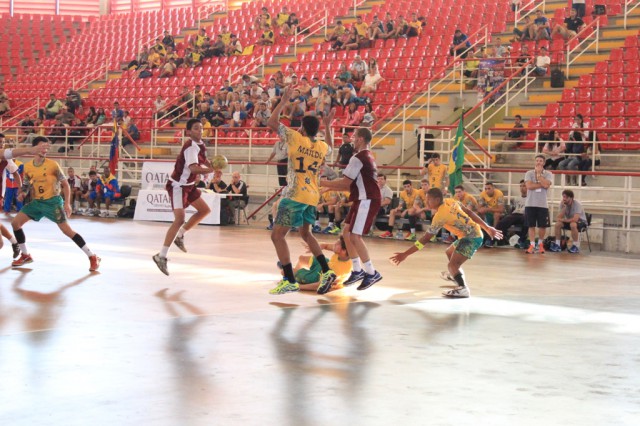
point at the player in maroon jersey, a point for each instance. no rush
(360, 177)
(183, 193)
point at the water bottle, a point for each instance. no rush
(399, 235)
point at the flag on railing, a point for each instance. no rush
(457, 158)
(114, 151)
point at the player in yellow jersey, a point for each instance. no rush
(467, 200)
(436, 172)
(300, 197)
(461, 222)
(419, 210)
(46, 179)
(491, 206)
(407, 199)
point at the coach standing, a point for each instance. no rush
(536, 208)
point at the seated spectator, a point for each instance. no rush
(154, 60)
(460, 45)
(261, 116)
(217, 185)
(490, 207)
(553, 149)
(168, 40)
(589, 159)
(543, 62)
(168, 69)
(512, 135)
(160, 107)
(471, 66)
(27, 126)
(111, 188)
(344, 39)
(542, 28)
(263, 19)
(407, 198)
(305, 88)
(337, 32)
(571, 26)
(523, 59)
(51, 108)
(415, 26)
(501, 51)
(361, 27)
(358, 68)
(102, 117)
(133, 131)
(267, 38)
(515, 218)
(576, 146)
(580, 7)
(369, 116)
(192, 58)
(386, 195)
(354, 41)
(376, 29)
(282, 17)
(74, 100)
(95, 192)
(58, 132)
(290, 27)
(390, 28)
(141, 60)
(234, 47)
(353, 118)
(371, 81)
(528, 31)
(571, 216)
(201, 40)
(238, 114)
(237, 186)
(323, 103)
(65, 116)
(92, 116)
(246, 103)
(344, 73)
(216, 49)
(466, 199)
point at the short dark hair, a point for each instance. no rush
(38, 139)
(435, 193)
(311, 125)
(435, 155)
(191, 122)
(1, 135)
(489, 183)
(568, 193)
(519, 116)
(460, 187)
(406, 182)
(522, 181)
(382, 176)
(93, 173)
(540, 156)
(365, 134)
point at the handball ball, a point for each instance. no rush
(219, 162)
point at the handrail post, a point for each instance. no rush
(597, 35)
(326, 22)
(567, 62)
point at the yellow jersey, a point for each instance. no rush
(268, 35)
(305, 158)
(469, 201)
(451, 217)
(361, 29)
(436, 175)
(328, 197)
(417, 25)
(491, 202)
(201, 40)
(226, 38)
(408, 199)
(44, 179)
(421, 198)
(281, 18)
(342, 268)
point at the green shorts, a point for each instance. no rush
(311, 275)
(292, 213)
(467, 246)
(52, 209)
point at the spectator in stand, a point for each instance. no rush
(92, 116)
(273, 91)
(361, 27)
(52, 108)
(501, 51)
(353, 40)
(217, 117)
(58, 132)
(27, 126)
(553, 149)
(571, 26)
(576, 147)
(304, 88)
(524, 58)
(376, 29)
(460, 45)
(580, 7)
(543, 62)
(358, 68)
(415, 26)
(262, 20)
(291, 26)
(528, 31)
(4, 102)
(515, 134)
(168, 40)
(65, 116)
(390, 27)
(117, 113)
(490, 207)
(371, 81)
(323, 103)
(206, 128)
(542, 28)
(234, 47)
(218, 48)
(192, 58)
(338, 31)
(402, 26)
(353, 118)
(466, 199)
(369, 115)
(373, 64)
(279, 78)
(217, 185)
(155, 59)
(344, 73)
(267, 38)
(346, 93)
(74, 100)
(168, 69)
(159, 106)
(237, 186)
(133, 132)
(314, 93)
(589, 159)
(343, 40)
(346, 150)
(200, 40)
(571, 216)
(102, 117)
(282, 17)
(515, 218)
(238, 114)
(198, 182)
(141, 60)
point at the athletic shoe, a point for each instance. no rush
(328, 229)
(541, 249)
(270, 227)
(316, 229)
(410, 237)
(386, 234)
(284, 286)
(335, 231)
(94, 263)
(458, 293)
(488, 243)
(445, 275)
(179, 242)
(22, 260)
(434, 239)
(161, 262)
(369, 280)
(531, 249)
(326, 281)
(354, 278)
(574, 250)
(16, 250)
(555, 248)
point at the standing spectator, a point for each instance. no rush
(133, 132)
(575, 148)
(590, 158)
(436, 172)
(159, 106)
(536, 211)
(346, 150)
(516, 217)
(571, 216)
(543, 62)
(515, 134)
(117, 113)
(460, 45)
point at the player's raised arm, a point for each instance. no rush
(274, 121)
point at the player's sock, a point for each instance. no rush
(459, 278)
(577, 243)
(164, 251)
(13, 240)
(82, 244)
(21, 239)
(558, 243)
(533, 244)
(368, 267)
(270, 219)
(181, 232)
(413, 230)
(356, 264)
(288, 273)
(332, 218)
(323, 262)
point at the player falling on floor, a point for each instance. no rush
(300, 197)
(461, 222)
(183, 193)
(360, 177)
(45, 180)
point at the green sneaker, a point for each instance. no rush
(326, 280)
(285, 286)
(335, 231)
(411, 237)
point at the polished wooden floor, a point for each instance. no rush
(544, 340)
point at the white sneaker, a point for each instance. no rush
(458, 292)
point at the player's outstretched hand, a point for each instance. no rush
(286, 93)
(398, 258)
(494, 233)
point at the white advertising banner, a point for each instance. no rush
(154, 204)
(155, 175)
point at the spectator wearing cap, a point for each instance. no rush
(294, 81)
(358, 68)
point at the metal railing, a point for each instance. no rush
(527, 9)
(321, 24)
(629, 7)
(255, 66)
(593, 29)
(204, 9)
(171, 106)
(23, 109)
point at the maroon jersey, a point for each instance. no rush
(364, 173)
(192, 152)
(3, 164)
